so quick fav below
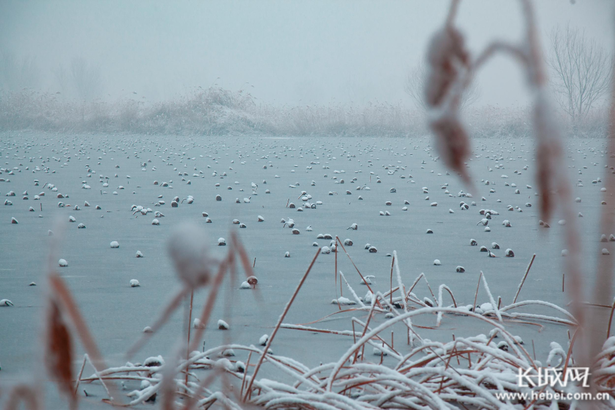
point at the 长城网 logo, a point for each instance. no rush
(552, 377)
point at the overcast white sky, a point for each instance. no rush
(286, 52)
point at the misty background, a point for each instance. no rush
(279, 53)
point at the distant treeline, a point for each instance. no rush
(216, 111)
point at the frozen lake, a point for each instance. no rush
(353, 177)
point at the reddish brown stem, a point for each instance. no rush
(391, 280)
(527, 271)
(66, 300)
(608, 332)
(211, 300)
(356, 268)
(189, 329)
(277, 327)
(476, 294)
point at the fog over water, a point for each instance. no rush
(282, 52)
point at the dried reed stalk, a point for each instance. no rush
(79, 377)
(243, 255)
(353, 264)
(162, 319)
(476, 294)
(209, 305)
(248, 391)
(443, 91)
(59, 352)
(188, 329)
(448, 62)
(527, 271)
(391, 281)
(67, 305)
(608, 331)
(25, 393)
(603, 288)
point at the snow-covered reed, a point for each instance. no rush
(472, 371)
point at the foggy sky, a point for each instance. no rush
(282, 52)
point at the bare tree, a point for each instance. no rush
(86, 79)
(63, 82)
(415, 88)
(18, 73)
(582, 71)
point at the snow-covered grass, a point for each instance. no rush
(473, 372)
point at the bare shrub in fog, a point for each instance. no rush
(212, 111)
(372, 119)
(78, 107)
(196, 114)
(493, 121)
